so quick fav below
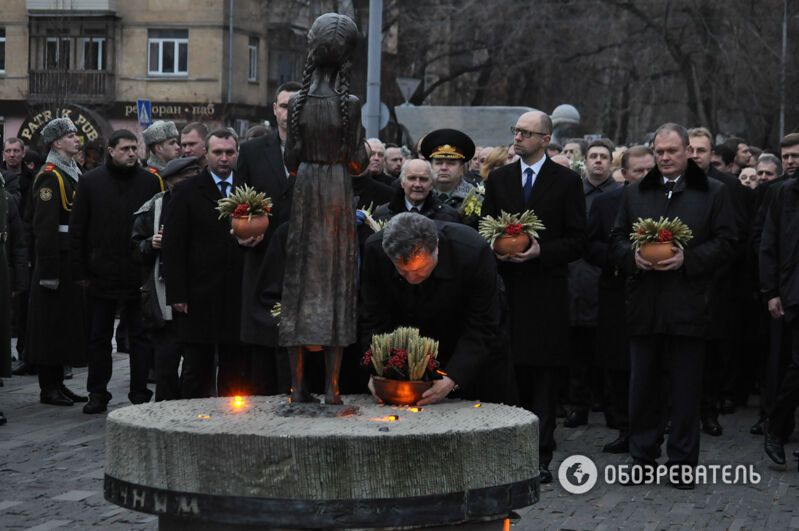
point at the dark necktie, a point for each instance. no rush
(416, 210)
(223, 186)
(669, 187)
(443, 197)
(528, 184)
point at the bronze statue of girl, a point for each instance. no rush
(324, 146)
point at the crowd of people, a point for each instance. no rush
(579, 321)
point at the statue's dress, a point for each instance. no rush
(319, 286)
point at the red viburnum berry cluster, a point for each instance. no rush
(513, 229)
(241, 211)
(398, 358)
(433, 364)
(665, 235)
(366, 360)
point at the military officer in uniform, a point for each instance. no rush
(162, 141)
(56, 323)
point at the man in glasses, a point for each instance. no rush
(536, 279)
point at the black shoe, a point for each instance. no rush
(711, 426)
(683, 485)
(97, 404)
(757, 427)
(544, 475)
(620, 446)
(576, 418)
(24, 369)
(75, 397)
(67, 372)
(55, 397)
(727, 407)
(140, 397)
(3, 419)
(774, 449)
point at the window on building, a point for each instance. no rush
(92, 53)
(57, 53)
(252, 71)
(168, 52)
(2, 50)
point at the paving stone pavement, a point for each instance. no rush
(51, 470)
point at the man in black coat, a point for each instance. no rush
(730, 290)
(613, 348)
(416, 181)
(260, 165)
(440, 278)
(100, 228)
(779, 283)
(536, 280)
(667, 303)
(203, 271)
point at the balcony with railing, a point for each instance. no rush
(80, 86)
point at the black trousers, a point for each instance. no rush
(617, 392)
(538, 392)
(777, 360)
(266, 376)
(51, 377)
(20, 311)
(582, 377)
(166, 359)
(199, 378)
(101, 329)
(680, 360)
(781, 417)
(712, 375)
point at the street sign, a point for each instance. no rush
(144, 108)
(407, 86)
(384, 116)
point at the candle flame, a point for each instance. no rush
(203, 417)
(415, 409)
(238, 402)
(387, 418)
(478, 405)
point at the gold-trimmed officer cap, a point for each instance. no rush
(447, 144)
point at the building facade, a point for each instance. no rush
(217, 61)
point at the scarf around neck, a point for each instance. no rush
(65, 163)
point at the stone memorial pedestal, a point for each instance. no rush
(222, 464)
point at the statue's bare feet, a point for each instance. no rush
(302, 397)
(333, 400)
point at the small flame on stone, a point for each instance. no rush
(238, 402)
(478, 405)
(415, 409)
(203, 417)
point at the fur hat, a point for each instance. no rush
(57, 128)
(186, 165)
(159, 131)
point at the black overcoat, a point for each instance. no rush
(675, 302)
(538, 294)
(613, 346)
(202, 263)
(261, 166)
(779, 248)
(56, 333)
(100, 228)
(458, 305)
(431, 208)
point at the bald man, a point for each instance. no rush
(536, 279)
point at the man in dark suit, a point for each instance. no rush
(536, 279)
(261, 166)
(442, 279)
(613, 348)
(667, 302)
(203, 267)
(732, 290)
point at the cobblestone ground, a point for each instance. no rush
(51, 469)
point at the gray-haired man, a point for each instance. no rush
(442, 279)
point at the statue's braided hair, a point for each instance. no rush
(331, 39)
